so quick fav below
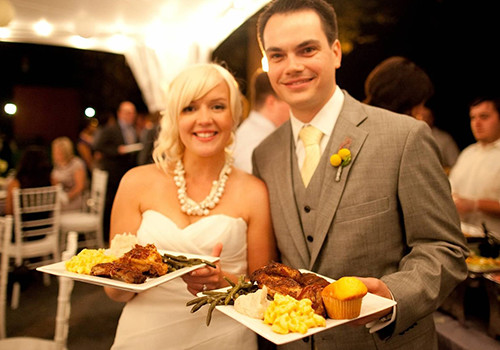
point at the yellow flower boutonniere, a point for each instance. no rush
(339, 160)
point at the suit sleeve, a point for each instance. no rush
(434, 263)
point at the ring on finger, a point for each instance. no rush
(205, 287)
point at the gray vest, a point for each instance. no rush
(307, 200)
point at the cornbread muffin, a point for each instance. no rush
(343, 298)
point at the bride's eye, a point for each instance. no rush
(188, 109)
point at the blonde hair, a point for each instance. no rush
(190, 85)
(65, 145)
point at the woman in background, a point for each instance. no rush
(70, 171)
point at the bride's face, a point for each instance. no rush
(205, 125)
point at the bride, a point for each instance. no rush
(193, 200)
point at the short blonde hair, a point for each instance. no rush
(190, 85)
(65, 145)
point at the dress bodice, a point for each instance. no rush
(159, 316)
(199, 238)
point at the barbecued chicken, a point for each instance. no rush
(146, 259)
(119, 271)
(134, 266)
(279, 278)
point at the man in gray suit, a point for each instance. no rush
(386, 215)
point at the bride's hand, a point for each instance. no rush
(205, 278)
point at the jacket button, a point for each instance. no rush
(307, 209)
(310, 238)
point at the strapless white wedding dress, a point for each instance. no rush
(158, 318)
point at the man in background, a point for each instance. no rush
(116, 157)
(268, 112)
(475, 178)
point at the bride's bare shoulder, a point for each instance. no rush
(144, 174)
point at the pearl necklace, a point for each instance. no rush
(189, 206)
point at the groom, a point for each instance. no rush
(386, 215)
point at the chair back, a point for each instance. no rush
(5, 237)
(36, 224)
(64, 296)
(98, 192)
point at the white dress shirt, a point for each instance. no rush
(476, 175)
(249, 135)
(325, 121)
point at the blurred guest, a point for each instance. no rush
(148, 137)
(111, 143)
(267, 113)
(85, 141)
(447, 145)
(475, 178)
(399, 85)
(33, 170)
(70, 171)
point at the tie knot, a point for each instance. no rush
(310, 135)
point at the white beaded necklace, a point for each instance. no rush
(189, 206)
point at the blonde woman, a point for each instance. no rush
(193, 200)
(70, 171)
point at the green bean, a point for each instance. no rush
(213, 304)
(180, 261)
(227, 297)
(195, 300)
(197, 306)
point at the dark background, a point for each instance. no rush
(455, 42)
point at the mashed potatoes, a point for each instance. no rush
(83, 262)
(122, 243)
(253, 304)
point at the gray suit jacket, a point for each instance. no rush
(390, 216)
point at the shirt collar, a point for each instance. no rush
(325, 119)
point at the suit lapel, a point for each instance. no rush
(346, 128)
(285, 190)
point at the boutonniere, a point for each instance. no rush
(342, 158)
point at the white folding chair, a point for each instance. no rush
(36, 230)
(89, 223)
(5, 237)
(62, 316)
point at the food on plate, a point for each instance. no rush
(480, 262)
(286, 314)
(279, 278)
(122, 243)
(253, 304)
(343, 298)
(226, 297)
(86, 259)
(134, 266)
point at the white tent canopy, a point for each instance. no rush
(157, 37)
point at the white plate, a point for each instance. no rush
(371, 304)
(59, 269)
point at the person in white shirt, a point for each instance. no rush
(268, 112)
(475, 178)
